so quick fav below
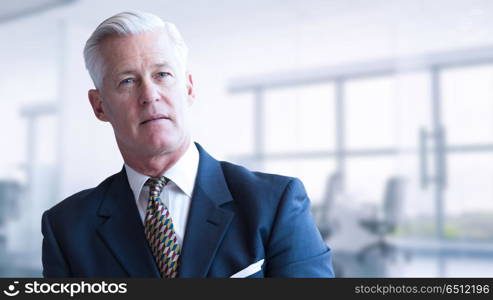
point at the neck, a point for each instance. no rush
(156, 165)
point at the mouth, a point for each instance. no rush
(154, 118)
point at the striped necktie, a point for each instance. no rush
(159, 230)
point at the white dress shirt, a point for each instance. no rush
(177, 195)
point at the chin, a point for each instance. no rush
(166, 145)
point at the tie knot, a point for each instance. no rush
(156, 184)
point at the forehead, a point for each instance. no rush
(137, 49)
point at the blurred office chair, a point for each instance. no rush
(325, 223)
(386, 222)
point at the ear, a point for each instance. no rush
(190, 89)
(97, 104)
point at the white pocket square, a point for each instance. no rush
(251, 269)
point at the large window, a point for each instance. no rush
(371, 113)
(431, 126)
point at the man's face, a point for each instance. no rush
(145, 94)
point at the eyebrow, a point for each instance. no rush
(161, 65)
(131, 71)
(124, 73)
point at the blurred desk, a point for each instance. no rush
(350, 236)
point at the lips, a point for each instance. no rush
(154, 118)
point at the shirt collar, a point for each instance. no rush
(182, 173)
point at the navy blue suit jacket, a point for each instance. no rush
(237, 217)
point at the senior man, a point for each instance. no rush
(173, 210)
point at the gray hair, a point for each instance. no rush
(123, 24)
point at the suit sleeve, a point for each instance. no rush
(54, 264)
(295, 247)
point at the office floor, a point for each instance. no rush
(434, 266)
(413, 265)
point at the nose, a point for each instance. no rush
(149, 92)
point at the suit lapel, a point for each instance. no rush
(207, 221)
(123, 232)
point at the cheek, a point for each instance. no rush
(121, 116)
(182, 114)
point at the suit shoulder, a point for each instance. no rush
(239, 176)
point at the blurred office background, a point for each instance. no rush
(383, 108)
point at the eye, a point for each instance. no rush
(127, 81)
(163, 74)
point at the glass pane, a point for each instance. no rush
(468, 104)
(34, 50)
(31, 61)
(371, 112)
(413, 91)
(312, 172)
(366, 178)
(46, 139)
(299, 118)
(418, 210)
(413, 108)
(240, 124)
(469, 196)
(369, 185)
